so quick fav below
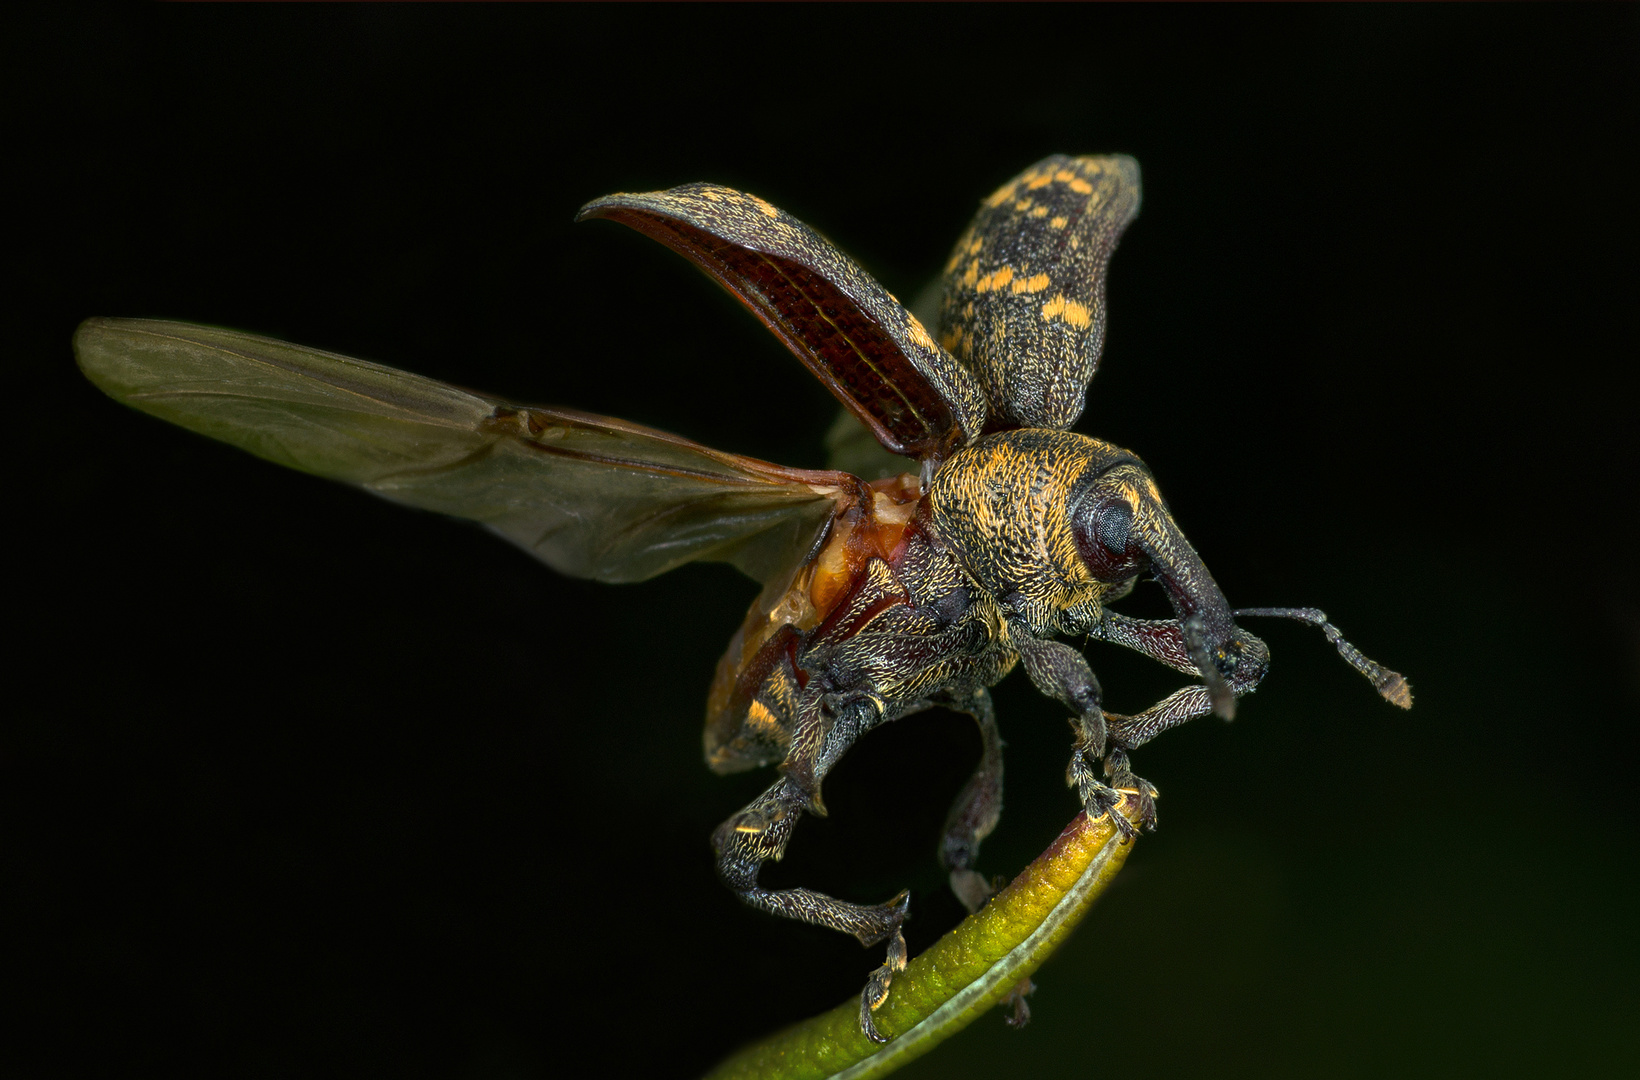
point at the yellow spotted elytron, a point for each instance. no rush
(880, 597)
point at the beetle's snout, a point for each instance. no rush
(1231, 661)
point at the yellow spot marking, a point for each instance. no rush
(1081, 187)
(971, 276)
(914, 328)
(1064, 176)
(996, 279)
(979, 242)
(1060, 222)
(1039, 182)
(951, 339)
(1022, 205)
(968, 310)
(1002, 194)
(1039, 211)
(711, 195)
(759, 714)
(951, 263)
(767, 208)
(1034, 284)
(1071, 312)
(1076, 242)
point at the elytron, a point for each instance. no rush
(1005, 533)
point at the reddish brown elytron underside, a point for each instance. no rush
(861, 532)
(846, 350)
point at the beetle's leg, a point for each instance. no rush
(826, 727)
(1128, 732)
(761, 830)
(801, 767)
(1165, 641)
(876, 991)
(758, 833)
(977, 807)
(1019, 1013)
(971, 820)
(1062, 673)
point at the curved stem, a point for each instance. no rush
(961, 976)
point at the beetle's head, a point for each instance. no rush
(1123, 529)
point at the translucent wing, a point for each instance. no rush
(588, 495)
(1024, 303)
(866, 348)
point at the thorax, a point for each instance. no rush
(1001, 505)
(884, 605)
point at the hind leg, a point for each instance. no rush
(761, 831)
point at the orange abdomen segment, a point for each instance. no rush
(748, 709)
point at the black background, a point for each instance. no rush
(299, 782)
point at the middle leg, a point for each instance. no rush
(973, 815)
(978, 806)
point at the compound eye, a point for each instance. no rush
(1103, 527)
(1114, 524)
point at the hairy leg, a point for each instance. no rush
(761, 830)
(1062, 673)
(973, 815)
(977, 807)
(1166, 641)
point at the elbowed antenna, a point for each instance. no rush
(1392, 685)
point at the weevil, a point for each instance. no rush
(879, 597)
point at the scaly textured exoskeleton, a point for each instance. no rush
(879, 598)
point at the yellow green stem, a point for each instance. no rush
(961, 976)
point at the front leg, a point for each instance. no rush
(1062, 673)
(1238, 666)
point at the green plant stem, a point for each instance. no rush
(961, 976)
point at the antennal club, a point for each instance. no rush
(1390, 684)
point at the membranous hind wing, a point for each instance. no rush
(860, 341)
(1024, 304)
(590, 496)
